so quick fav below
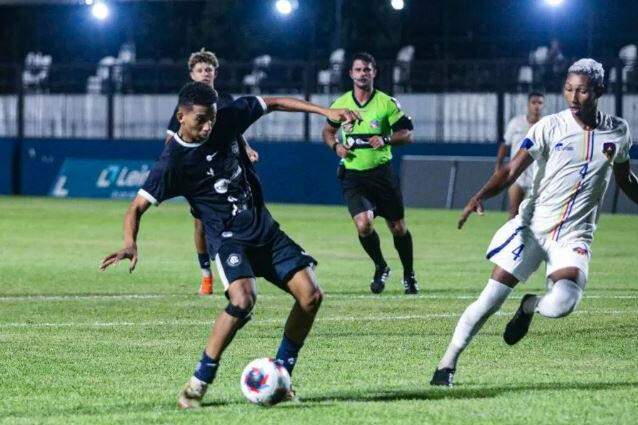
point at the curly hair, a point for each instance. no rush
(196, 93)
(589, 68)
(202, 55)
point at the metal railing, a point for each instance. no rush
(500, 78)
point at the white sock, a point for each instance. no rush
(206, 273)
(472, 319)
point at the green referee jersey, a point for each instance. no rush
(381, 115)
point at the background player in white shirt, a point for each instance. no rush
(574, 152)
(515, 132)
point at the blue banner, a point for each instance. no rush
(89, 178)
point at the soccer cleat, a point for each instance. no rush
(381, 274)
(206, 286)
(191, 396)
(518, 326)
(411, 285)
(292, 396)
(443, 377)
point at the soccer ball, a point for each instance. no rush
(265, 382)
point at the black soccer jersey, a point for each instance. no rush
(223, 100)
(217, 178)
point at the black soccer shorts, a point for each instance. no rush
(376, 190)
(277, 261)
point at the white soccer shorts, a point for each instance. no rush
(517, 250)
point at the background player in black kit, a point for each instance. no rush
(204, 164)
(202, 67)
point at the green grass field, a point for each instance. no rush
(81, 346)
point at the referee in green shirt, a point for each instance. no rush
(369, 184)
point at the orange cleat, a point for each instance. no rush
(206, 286)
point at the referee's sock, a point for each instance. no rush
(372, 245)
(403, 244)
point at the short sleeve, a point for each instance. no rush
(623, 152)
(173, 125)
(248, 110)
(537, 139)
(161, 184)
(394, 111)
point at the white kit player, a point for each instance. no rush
(574, 152)
(515, 132)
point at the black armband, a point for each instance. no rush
(387, 140)
(404, 123)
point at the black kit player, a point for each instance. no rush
(369, 184)
(204, 164)
(203, 66)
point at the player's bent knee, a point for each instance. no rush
(363, 222)
(563, 298)
(398, 228)
(312, 302)
(242, 296)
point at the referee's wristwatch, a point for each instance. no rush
(386, 140)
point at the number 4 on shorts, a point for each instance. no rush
(517, 252)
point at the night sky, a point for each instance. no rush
(241, 29)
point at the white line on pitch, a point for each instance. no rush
(333, 296)
(280, 320)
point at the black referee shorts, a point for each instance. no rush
(374, 190)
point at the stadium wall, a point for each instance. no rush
(291, 172)
(8, 149)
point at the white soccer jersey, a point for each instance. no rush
(515, 132)
(573, 171)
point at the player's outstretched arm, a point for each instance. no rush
(290, 104)
(501, 179)
(131, 227)
(626, 180)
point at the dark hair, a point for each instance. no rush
(202, 56)
(196, 93)
(365, 57)
(534, 94)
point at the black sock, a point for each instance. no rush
(372, 245)
(403, 244)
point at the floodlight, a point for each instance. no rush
(554, 3)
(100, 11)
(285, 7)
(397, 4)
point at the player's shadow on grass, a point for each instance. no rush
(458, 392)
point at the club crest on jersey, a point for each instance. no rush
(374, 123)
(221, 185)
(580, 251)
(233, 260)
(209, 158)
(609, 149)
